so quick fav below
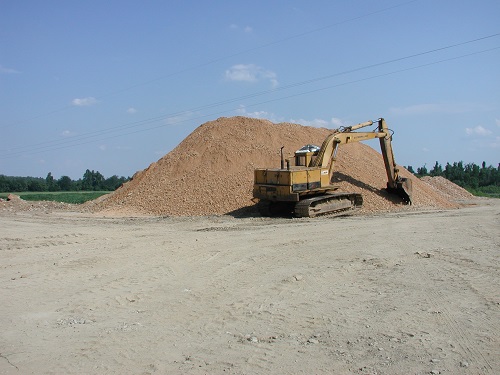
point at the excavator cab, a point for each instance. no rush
(305, 155)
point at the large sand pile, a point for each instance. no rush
(449, 189)
(211, 172)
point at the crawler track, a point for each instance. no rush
(327, 204)
(335, 203)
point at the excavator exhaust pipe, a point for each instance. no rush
(403, 189)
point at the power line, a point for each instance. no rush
(134, 124)
(213, 61)
(252, 105)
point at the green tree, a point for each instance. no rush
(36, 184)
(437, 170)
(92, 180)
(18, 184)
(114, 182)
(65, 183)
(49, 180)
(4, 184)
(480, 180)
(87, 180)
(422, 171)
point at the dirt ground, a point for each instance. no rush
(412, 292)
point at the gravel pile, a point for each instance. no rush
(211, 172)
(450, 190)
(14, 203)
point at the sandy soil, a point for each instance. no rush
(396, 293)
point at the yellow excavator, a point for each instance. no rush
(304, 186)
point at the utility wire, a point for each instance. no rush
(94, 134)
(213, 61)
(257, 104)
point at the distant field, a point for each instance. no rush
(75, 197)
(486, 191)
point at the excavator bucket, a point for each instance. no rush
(403, 189)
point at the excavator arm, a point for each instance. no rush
(327, 154)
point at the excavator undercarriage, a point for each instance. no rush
(333, 204)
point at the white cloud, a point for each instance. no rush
(250, 73)
(337, 122)
(131, 110)
(103, 147)
(497, 122)
(246, 29)
(241, 111)
(242, 73)
(318, 123)
(174, 120)
(67, 133)
(4, 70)
(478, 130)
(429, 108)
(83, 102)
(256, 114)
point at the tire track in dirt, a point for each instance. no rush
(9, 243)
(248, 310)
(470, 354)
(236, 305)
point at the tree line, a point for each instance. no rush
(91, 181)
(479, 180)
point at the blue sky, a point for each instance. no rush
(115, 85)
